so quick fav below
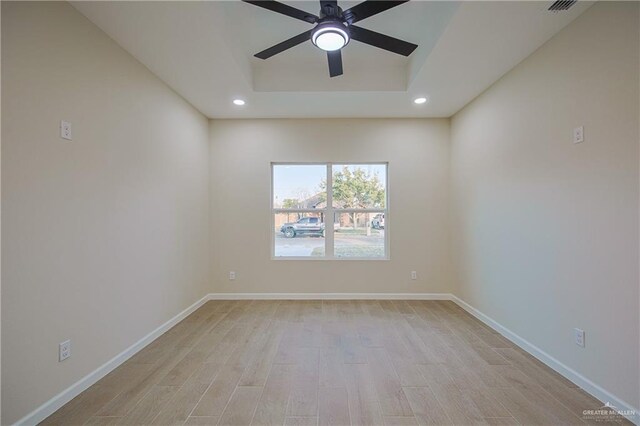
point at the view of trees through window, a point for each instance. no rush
(301, 210)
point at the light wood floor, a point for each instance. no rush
(329, 362)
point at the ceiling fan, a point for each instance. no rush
(334, 29)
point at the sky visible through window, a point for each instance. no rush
(300, 182)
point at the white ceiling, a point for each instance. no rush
(204, 51)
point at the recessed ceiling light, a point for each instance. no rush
(238, 102)
(419, 101)
(330, 36)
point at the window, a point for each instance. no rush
(329, 211)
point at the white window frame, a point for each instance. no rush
(330, 212)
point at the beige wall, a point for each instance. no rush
(545, 231)
(418, 154)
(105, 237)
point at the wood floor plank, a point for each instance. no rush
(301, 421)
(473, 387)
(310, 333)
(103, 421)
(311, 310)
(406, 366)
(425, 407)
(83, 407)
(331, 332)
(125, 401)
(216, 397)
(369, 334)
(333, 407)
(273, 403)
(331, 368)
(501, 421)
(178, 409)
(303, 399)
(202, 421)
(241, 407)
(360, 382)
(459, 407)
(365, 413)
(393, 401)
(92, 400)
(400, 421)
(258, 369)
(403, 307)
(533, 392)
(194, 358)
(413, 344)
(435, 348)
(201, 327)
(364, 407)
(530, 366)
(493, 339)
(481, 368)
(566, 392)
(351, 349)
(148, 408)
(489, 355)
(523, 410)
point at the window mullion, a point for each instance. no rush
(329, 221)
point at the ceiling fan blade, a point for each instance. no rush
(335, 63)
(281, 47)
(369, 8)
(382, 41)
(284, 9)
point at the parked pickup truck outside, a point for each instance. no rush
(305, 226)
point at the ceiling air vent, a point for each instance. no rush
(562, 5)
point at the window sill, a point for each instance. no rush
(339, 259)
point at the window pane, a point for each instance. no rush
(360, 186)
(299, 234)
(299, 186)
(360, 235)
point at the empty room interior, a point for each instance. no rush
(327, 212)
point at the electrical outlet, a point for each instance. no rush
(578, 134)
(65, 130)
(232, 275)
(414, 275)
(578, 336)
(64, 350)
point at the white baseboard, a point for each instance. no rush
(587, 385)
(330, 296)
(55, 403)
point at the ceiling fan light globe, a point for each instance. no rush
(330, 37)
(330, 41)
